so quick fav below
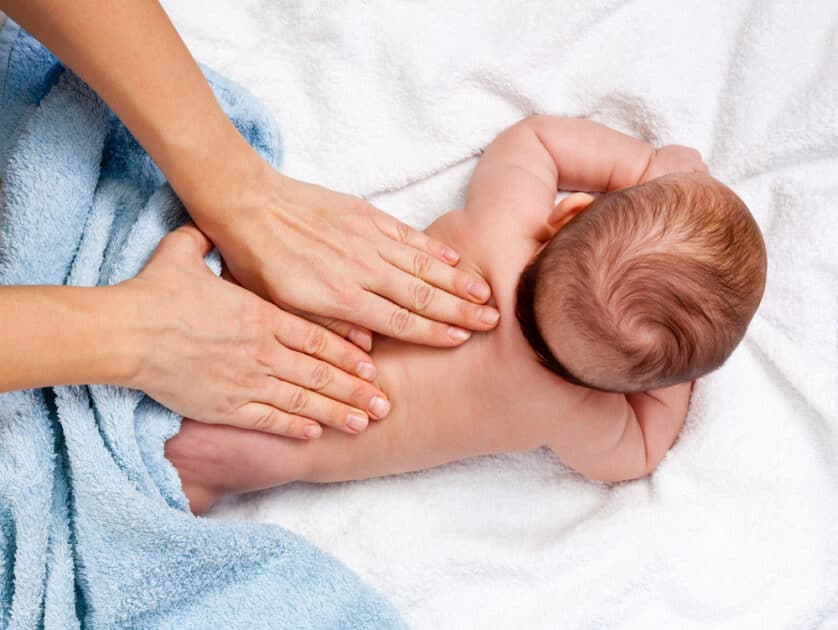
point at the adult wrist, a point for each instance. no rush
(129, 335)
(219, 177)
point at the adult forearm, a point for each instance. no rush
(52, 335)
(319, 252)
(119, 49)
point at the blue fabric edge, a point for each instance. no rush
(8, 34)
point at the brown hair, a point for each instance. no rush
(658, 281)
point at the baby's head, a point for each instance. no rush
(647, 287)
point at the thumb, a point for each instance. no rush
(187, 240)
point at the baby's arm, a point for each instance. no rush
(520, 173)
(533, 159)
(623, 437)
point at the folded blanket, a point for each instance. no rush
(94, 527)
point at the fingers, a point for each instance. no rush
(695, 161)
(313, 339)
(449, 279)
(423, 298)
(304, 393)
(308, 405)
(403, 233)
(390, 319)
(678, 158)
(320, 377)
(257, 416)
(331, 377)
(437, 302)
(360, 336)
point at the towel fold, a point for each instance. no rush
(94, 526)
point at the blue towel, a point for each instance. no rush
(94, 526)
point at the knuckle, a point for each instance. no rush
(345, 302)
(315, 340)
(265, 354)
(399, 320)
(402, 231)
(256, 315)
(422, 295)
(228, 405)
(244, 382)
(332, 324)
(265, 422)
(421, 264)
(297, 400)
(321, 376)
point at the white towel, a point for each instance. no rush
(392, 101)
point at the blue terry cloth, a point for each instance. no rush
(94, 526)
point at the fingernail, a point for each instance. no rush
(488, 315)
(450, 256)
(460, 334)
(366, 371)
(379, 406)
(479, 291)
(313, 431)
(356, 421)
(361, 339)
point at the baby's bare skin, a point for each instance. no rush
(490, 395)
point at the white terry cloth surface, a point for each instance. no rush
(392, 100)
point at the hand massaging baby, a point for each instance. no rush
(624, 299)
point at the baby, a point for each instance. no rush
(624, 299)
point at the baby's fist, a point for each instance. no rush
(674, 158)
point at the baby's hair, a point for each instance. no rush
(658, 282)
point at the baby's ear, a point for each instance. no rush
(568, 208)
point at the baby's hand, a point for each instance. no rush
(673, 159)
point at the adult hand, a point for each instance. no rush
(214, 351)
(673, 158)
(298, 245)
(314, 250)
